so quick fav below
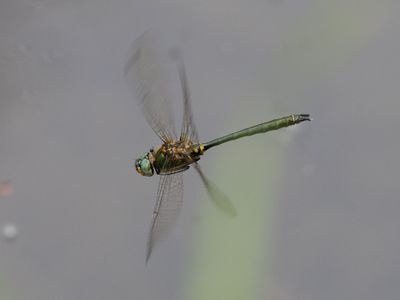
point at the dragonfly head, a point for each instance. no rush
(143, 165)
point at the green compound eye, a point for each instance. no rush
(143, 165)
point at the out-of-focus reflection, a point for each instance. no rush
(10, 231)
(6, 189)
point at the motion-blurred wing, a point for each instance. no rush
(148, 78)
(218, 197)
(167, 208)
(189, 130)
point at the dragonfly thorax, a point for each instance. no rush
(144, 166)
(168, 158)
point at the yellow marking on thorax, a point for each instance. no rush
(199, 149)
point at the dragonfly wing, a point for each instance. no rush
(220, 200)
(189, 130)
(147, 77)
(167, 208)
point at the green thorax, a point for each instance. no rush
(175, 157)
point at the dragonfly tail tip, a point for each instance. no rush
(305, 117)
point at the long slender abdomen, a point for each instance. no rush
(260, 128)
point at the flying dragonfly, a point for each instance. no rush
(148, 80)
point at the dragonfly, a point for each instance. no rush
(148, 79)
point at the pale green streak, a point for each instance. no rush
(332, 30)
(3, 289)
(328, 35)
(231, 254)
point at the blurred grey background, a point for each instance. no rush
(318, 204)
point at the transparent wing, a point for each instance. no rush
(220, 200)
(167, 208)
(148, 77)
(189, 130)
